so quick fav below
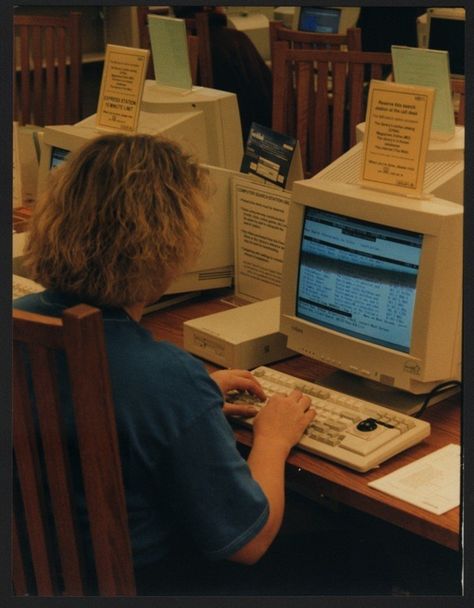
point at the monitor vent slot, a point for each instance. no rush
(215, 274)
(348, 172)
(437, 170)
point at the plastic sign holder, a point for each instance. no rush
(121, 88)
(398, 126)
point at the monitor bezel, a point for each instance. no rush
(430, 356)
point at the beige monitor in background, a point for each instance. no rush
(221, 118)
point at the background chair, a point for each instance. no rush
(43, 496)
(458, 89)
(296, 39)
(199, 26)
(319, 97)
(47, 68)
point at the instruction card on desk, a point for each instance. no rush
(432, 483)
(272, 156)
(260, 219)
(121, 88)
(429, 68)
(398, 126)
(169, 46)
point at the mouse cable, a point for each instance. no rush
(444, 386)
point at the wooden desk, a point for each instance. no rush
(314, 477)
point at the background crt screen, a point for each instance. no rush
(58, 156)
(358, 278)
(320, 20)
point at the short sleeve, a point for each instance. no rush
(218, 501)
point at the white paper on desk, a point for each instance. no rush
(432, 483)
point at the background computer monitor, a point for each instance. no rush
(322, 20)
(373, 287)
(221, 118)
(214, 267)
(445, 31)
(186, 128)
(347, 17)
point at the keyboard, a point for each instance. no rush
(21, 286)
(349, 431)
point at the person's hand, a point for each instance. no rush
(240, 409)
(284, 419)
(239, 380)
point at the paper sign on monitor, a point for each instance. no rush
(169, 46)
(260, 219)
(430, 68)
(398, 125)
(121, 88)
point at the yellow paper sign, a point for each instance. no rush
(121, 88)
(397, 135)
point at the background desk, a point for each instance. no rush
(314, 477)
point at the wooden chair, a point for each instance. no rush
(43, 497)
(319, 97)
(47, 68)
(296, 39)
(199, 26)
(458, 90)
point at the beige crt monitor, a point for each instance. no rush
(373, 287)
(221, 118)
(186, 128)
(214, 267)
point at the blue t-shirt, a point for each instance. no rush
(183, 474)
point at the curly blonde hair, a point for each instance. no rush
(120, 218)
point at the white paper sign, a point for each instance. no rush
(260, 220)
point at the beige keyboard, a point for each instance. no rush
(350, 431)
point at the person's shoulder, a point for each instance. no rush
(35, 302)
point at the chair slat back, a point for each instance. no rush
(47, 68)
(40, 435)
(296, 39)
(199, 26)
(321, 103)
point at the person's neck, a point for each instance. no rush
(135, 311)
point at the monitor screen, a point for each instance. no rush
(58, 156)
(320, 20)
(447, 34)
(358, 278)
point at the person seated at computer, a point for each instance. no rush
(237, 67)
(120, 220)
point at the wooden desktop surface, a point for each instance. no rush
(315, 477)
